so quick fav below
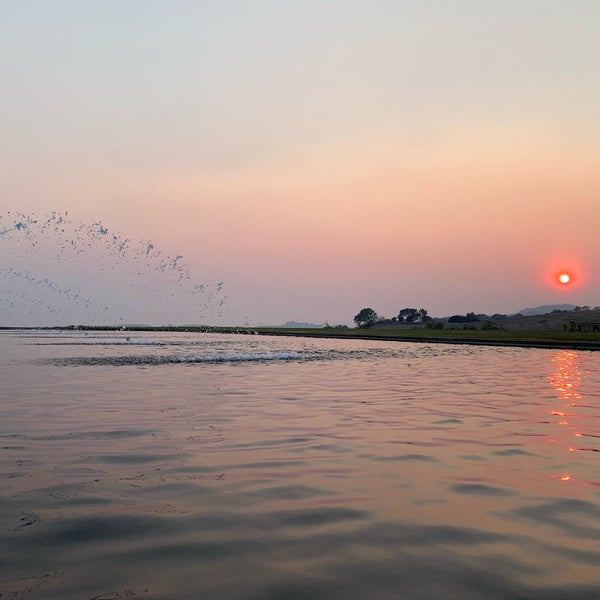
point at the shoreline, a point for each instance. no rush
(541, 344)
(497, 338)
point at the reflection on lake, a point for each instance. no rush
(574, 411)
(186, 466)
(567, 377)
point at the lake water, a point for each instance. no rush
(185, 466)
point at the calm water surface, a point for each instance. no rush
(184, 466)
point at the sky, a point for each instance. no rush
(304, 159)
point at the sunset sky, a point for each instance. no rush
(317, 157)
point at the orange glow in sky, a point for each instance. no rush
(565, 275)
(311, 187)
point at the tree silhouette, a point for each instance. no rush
(367, 317)
(412, 315)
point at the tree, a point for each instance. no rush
(424, 316)
(408, 315)
(412, 315)
(367, 317)
(470, 317)
(457, 319)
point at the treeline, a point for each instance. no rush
(419, 317)
(367, 317)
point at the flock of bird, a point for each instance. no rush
(52, 267)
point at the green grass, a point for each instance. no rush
(490, 334)
(498, 336)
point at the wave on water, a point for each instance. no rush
(214, 358)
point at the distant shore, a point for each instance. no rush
(454, 337)
(520, 339)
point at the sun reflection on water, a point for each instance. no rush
(566, 381)
(567, 377)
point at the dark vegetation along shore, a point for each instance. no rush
(560, 330)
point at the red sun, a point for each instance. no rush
(564, 274)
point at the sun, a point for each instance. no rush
(564, 274)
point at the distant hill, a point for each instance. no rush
(544, 309)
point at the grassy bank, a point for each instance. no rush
(495, 337)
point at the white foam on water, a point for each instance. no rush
(211, 358)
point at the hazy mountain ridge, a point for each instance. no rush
(543, 309)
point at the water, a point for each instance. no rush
(189, 466)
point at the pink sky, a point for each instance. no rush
(317, 165)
